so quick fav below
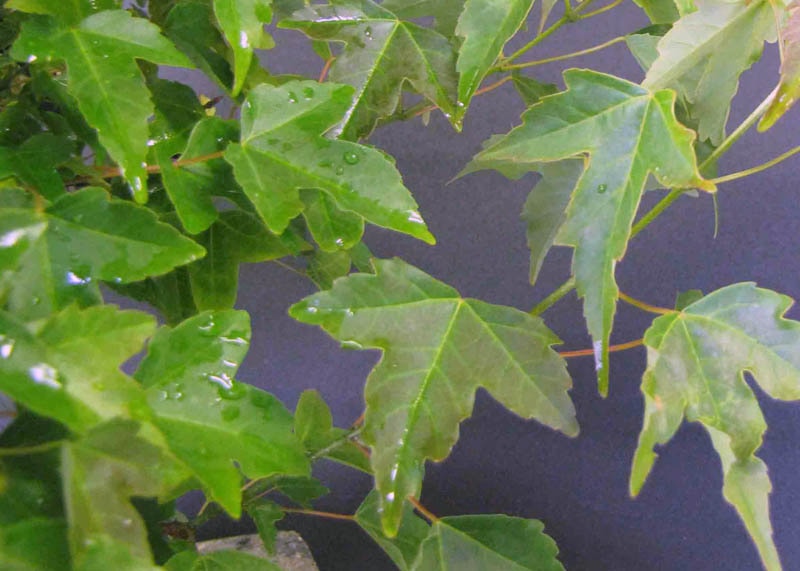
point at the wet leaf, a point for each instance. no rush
(101, 53)
(236, 238)
(332, 228)
(695, 365)
(478, 542)
(704, 54)
(101, 473)
(190, 24)
(382, 53)
(91, 237)
(69, 368)
(484, 26)
(242, 22)
(402, 549)
(425, 384)
(660, 11)
(283, 150)
(34, 163)
(211, 420)
(68, 12)
(313, 425)
(444, 12)
(580, 121)
(789, 86)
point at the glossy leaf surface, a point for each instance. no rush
(242, 22)
(789, 87)
(480, 542)
(211, 420)
(382, 53)
(101, 53)
(696, 361)
(484, 26)
(283, 150)
(69, 368)
(402, 549)
(425, 384)
(588, 119)
(704, 54)
(89, 237)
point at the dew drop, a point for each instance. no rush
(292, 97)
(352, 345)
(73, 279)
(339, 170)
(351, 158)
(308, 93)
(32, 58)
(6, 346)
(601, 188)
(44, 374)
(230, 413)
(368, 32)
(272, 141)
(235, 392)
(207, 329)
(311, 309)
(390, 497)
(244, 41)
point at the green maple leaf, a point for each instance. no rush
(383, 52)
(208, 418)
(242, 22)
(695, 365)
(68, 368)
(439, 348)
(34, 162)
(478, 542)
(87, 237)
(101, 472)
(485, 27)
(704, 54)
(789, 86)
(628, 133)
(444, 12)
(283, 150)
(101, 52)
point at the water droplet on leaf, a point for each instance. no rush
(601, 188)
(351, 158)
(235, 392)
(292, 97)
(308, 93)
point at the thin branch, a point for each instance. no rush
(587, 51)
(422, 509)
(611, 6)
(612, 349)
(359, 421)
(327, 515)
(757, 169)
(554, 297)
(492, 86)
(325, 69)
(644, 306)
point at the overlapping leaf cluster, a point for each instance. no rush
(114, 178)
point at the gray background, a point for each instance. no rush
(577, 487)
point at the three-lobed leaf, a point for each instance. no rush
(208, 418)
(383, 52)
(101, 52)
(588, 119)
(283, 150)
(425, 384)
(695, 370)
